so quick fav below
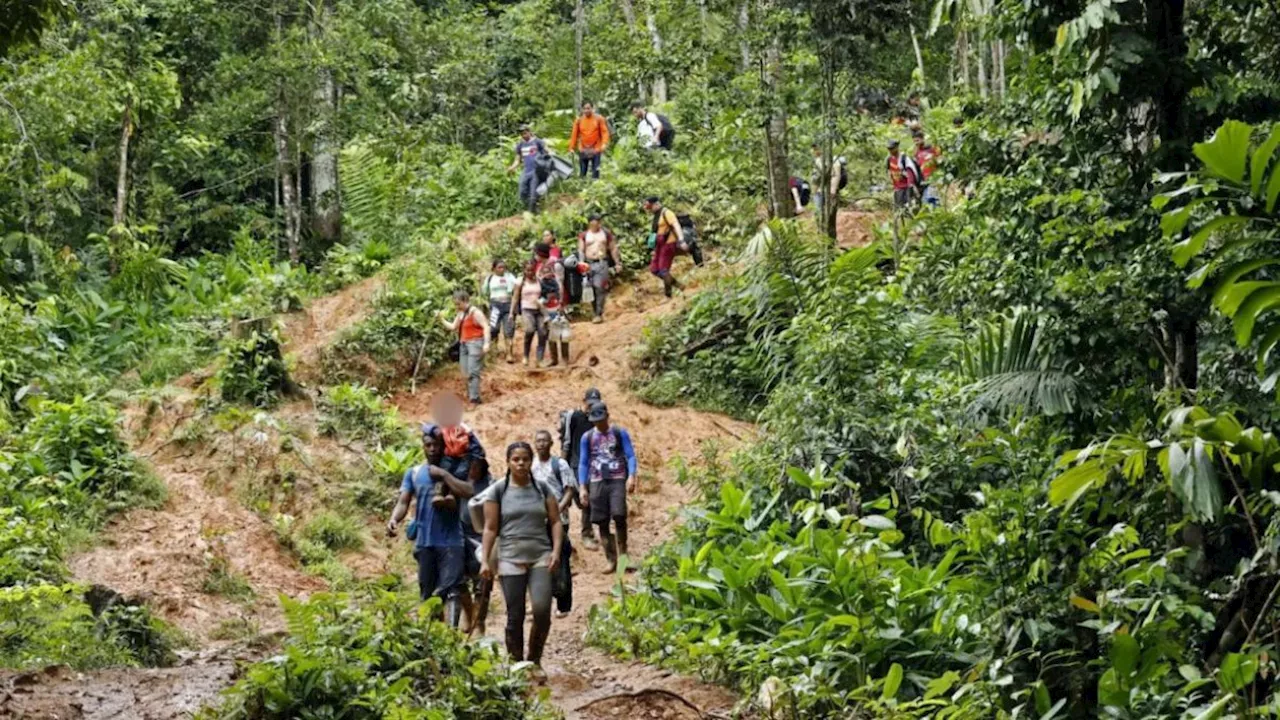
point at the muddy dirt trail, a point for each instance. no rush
(517, 402)
(164, 556)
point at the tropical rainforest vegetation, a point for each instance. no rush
(1018, 453)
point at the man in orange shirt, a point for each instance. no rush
(590, 138)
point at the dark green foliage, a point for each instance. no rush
(253, 370)
(375, 655)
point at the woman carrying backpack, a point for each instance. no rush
(498, 287)
(522, 518)
(473, 340)
(528, 294)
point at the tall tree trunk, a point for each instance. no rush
(326, 198)
(288, 190)
(660, 80)
(830, 206)
(122, 170)
(962, 50)
(629, 15)
(780, 201)
(579, 30)
(982, 70)
(915, 44)
(744, 24)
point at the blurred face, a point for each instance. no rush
(446, 409)
(603, 423)
(593, 225)
(519, 462)
(530, 271)
(548, 237)
(650, 207)
(460, 304)
(433, 447)
(588, 109)
(919, 141)
(500, 269)
(542, 443)
(638, 113)
(525, 134)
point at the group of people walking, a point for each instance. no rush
(471, 530)
(910, 173)
(591, 136)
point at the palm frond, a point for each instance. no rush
(1010, 370)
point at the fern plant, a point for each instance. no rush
(1010, 370)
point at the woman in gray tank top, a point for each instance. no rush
(522, 517)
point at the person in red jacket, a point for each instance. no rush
(927, 159)
(590, 138)
(904, 173)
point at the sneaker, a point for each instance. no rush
(562, 614)
(597, 320)
(590, 543)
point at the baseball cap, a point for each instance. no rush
(429, 429)
(592, 394)
(893, 143)
(597, 412)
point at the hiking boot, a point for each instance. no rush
(453, 612)
(537, 640)
(515, 644)
(555, 354)
(611, 554)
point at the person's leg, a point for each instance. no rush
(617, 492)
(475, 351)
(514, 588)
(428, 572)
(553, 337)
(530, 329)
(451, 566)
(588, 530)
(540, 322)
(584, 162)
(600, 516)
(595, 166)
(540, 597)
(564, 352)
(564, 575)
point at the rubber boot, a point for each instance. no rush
(515, 644)
(537, 639)
(555, 353)
(453, 611)
(610, 554)
(564, 352)
(468, 613)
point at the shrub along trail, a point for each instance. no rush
(586, 683)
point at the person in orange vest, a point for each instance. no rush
(590, 138)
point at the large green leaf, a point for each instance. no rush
(1259, 303)
(1189, 248)
(1261, 159)
(1070, 485)
(1194, 480)
(1226, 153)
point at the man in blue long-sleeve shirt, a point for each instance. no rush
(607, 465)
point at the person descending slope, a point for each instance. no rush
(665, 239)
(599, 250)
(573, 425)
(436, 528)
(553, 299)
(522, 519)
(654, 130)
(528, 294)
(471, 326)
(608, 463)
(556, 472)
(498, 288)
(590, 138)
(528, 151)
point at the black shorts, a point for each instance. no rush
(439, 571)
(608, 500)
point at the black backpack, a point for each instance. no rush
(543, 163)
(805, 192)
(668, 139)
(844, 176)
(690, 238)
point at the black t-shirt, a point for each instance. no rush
(572, 433)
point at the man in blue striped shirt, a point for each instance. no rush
(607, 462)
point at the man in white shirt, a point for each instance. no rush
(554, 471)
(648, 127)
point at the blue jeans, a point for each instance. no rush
(589, 161)
(529, 190)
(471, 358)
(439, 571)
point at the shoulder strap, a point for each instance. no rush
(555, 470)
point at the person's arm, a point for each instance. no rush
(632, 466)
(491, 520)
(557, 539)
(570, 485)
(461, 488)
(483, 321)
(612, 243)
(795, 197)
(584, 461)
(674, 222)
(573, 135)
(604, 135)
(402, 505)
(451, 325)
(515, 164)
(559, 275)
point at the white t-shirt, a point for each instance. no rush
(500, 287)
(648, 129)
(544, 472)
